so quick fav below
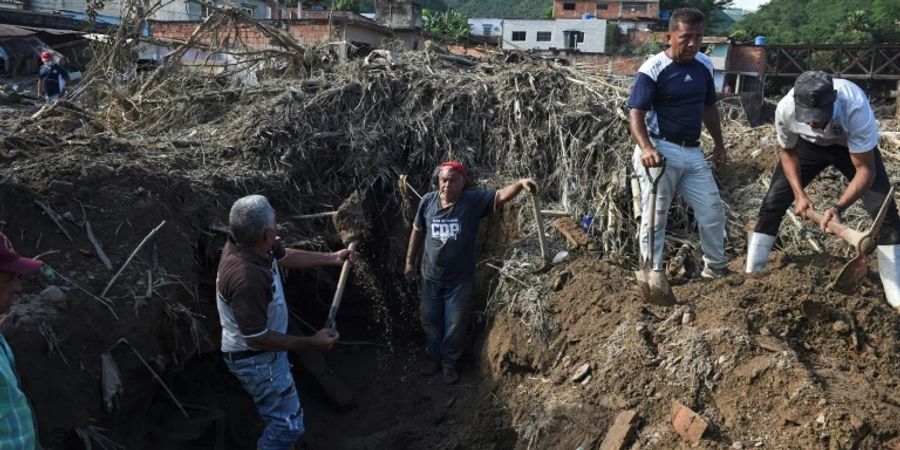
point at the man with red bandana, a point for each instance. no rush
(448, 221)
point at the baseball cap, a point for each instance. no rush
(46, 56)
(814, 97)
(11, 262)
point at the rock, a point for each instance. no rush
(821, 419)
(621, 433)
(53, 294)
(758, 444)
(61, 187)
(686, 318)
(840, 327)
(561, 280)
(581, 372)
(560, 257)
(737, 445)
(688, 424)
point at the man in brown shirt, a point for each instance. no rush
(254, 317)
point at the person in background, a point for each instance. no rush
(52, 79)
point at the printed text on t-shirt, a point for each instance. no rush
(445, 229)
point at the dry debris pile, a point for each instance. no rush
(307, 128)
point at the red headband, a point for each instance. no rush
(454, 166)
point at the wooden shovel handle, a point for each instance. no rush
(856, 238)
(342, 283)
(542, 240)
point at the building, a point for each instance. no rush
(487, 27)
(609, 10)
(395, 21)
(568, 35)
(641, 16)
(169, 10)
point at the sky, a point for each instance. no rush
(750, 5)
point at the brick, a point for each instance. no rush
(688, 424)
(621, 433)
(571, 230)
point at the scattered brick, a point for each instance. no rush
(621, 433)
(571, 230)
(688, 424)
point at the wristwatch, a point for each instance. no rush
(840, 210)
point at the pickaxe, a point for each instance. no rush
(848, 280)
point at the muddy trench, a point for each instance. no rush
(365, 393)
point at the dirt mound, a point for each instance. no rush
(772, 358)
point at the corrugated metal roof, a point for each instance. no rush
(12, 31)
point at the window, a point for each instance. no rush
(569, 6)
(544, 36)
(248, 9)
(602, 6)
(518, 35)
(634, 7)
(486, 29)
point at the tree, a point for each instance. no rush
(823, 22)
(348, 5)
(712, 9)
(449, 23)
(548, 12)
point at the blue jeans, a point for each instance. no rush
(445, 316)
(267, 378)
(687, 173)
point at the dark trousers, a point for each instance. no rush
(813, 160)
(445, 317)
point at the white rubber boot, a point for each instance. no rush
(758, 247)
(888, 258)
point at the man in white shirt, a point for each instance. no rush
(826, 122)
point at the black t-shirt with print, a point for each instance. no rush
(451, 234)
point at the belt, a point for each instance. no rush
(235, 356)
(682, 142)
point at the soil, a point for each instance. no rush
(773, 360)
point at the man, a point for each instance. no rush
(673, 94)
(448, 221)
(254, 317)
(825, 122)
(17, 430)
(52, 79)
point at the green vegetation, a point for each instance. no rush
(348, 5)
(716, 20)
(447, 23)
(823, 22)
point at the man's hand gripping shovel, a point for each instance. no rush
(848, 280)
(653, 283)
(331, 323)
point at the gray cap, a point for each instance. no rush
(814, 97)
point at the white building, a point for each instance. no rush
(482, 26)
(587, 36)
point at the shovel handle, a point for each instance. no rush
(538, 218)
(654, 182)
(861, 241)
(331, 323)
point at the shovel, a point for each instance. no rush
(849, 278)
(542, 239)
(653, 283)
(331, 323)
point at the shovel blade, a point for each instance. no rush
(848, 280)
(655, 287)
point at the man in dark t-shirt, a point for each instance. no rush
(673, 96)
(52, 78)
(448, 221)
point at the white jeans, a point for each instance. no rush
(687, 173)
